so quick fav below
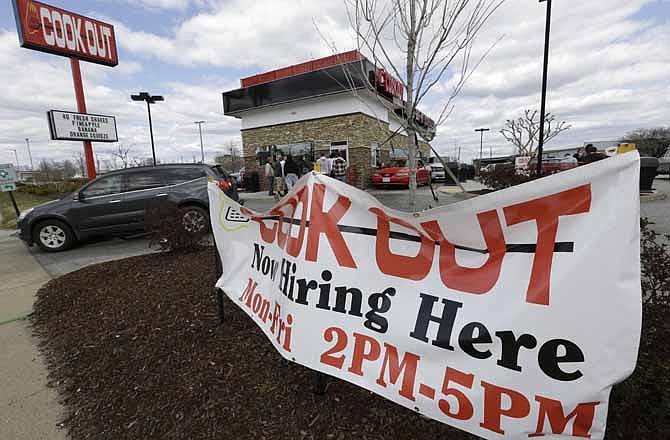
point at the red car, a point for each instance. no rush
(397, 174)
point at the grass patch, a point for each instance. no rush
(24, 200)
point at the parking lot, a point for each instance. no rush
(656, 208)
(98, 251)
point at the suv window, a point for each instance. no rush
(104, 186)
(173, 176)
(146, 179)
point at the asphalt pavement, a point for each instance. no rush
(656, 208)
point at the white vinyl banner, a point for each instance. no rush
(509, 315)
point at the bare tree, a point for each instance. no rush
(419, 42)
(80, 163)
(524, 132)
(122, 153)
(69, 169)
(650, 141)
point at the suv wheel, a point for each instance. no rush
(194, 219)
(53, 236)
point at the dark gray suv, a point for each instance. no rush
(114, 204)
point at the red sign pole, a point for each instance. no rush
(81, 108)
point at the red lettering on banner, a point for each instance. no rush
(395, 368)
(277, 210)
(411, 268)
(493, 410)
(330, 334)
(267, 234)
(295, 244)
(248, 292)
(321, 222)
(466, 279)
(366, 348)
(546, 211)
(465, 408)
(553, 411)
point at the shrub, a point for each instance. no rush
(504, 177)
(641, 404)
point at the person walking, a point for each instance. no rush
(339, 167)
(291, 170)
(270, 176)
(280, 187)
(324, 164)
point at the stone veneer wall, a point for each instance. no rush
(358, 129)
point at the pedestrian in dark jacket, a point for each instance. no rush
(292, 170)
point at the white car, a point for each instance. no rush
(437, 171)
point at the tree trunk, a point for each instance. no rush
(411, 162)
(411, 137)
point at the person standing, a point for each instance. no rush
(280, 188)
(324, 164)
(291, 169)
(270, 176)
(339, 167)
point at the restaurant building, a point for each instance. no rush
(338, 103)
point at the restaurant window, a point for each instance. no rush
(375, 155)
(342, 147)
(299, 150)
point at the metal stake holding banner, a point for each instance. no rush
(81, 108)
(16, 207)
(320, 383)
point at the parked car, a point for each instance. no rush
(397, 174)
(239, 177)
(114, 204)
(664, 163)
(437, 171)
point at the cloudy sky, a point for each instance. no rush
(609, 71)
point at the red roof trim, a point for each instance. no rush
(299, 69)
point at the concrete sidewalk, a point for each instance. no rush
(28, 408)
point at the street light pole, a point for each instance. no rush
(150, 99)
(481, 146)
(151, 133)
(202, 150)
(30, 156)
(17, 159)
(544, 87)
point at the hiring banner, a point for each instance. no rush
(509, 315)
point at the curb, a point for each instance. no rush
(652, 197)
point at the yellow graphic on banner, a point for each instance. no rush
(230, 215)
(625, 148)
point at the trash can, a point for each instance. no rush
(252, 182)
(648, 168)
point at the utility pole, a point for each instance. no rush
(30, 156)
(481, 147)
(17, 158)
(458, 160)
(202, 150)
(540, 146)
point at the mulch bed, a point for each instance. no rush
(136, 351)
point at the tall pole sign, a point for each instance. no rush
(53, 30)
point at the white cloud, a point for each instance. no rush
(239, 33)
(179, 5)
(32, 83)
